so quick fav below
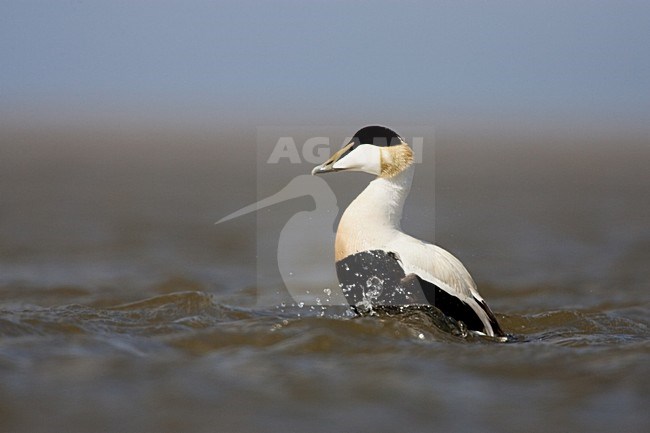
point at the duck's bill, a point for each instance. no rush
(325, 168)
(331, 166)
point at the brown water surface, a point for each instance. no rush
(124, 308)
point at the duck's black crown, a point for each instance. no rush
(376, 135)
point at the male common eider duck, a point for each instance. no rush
(379, 265)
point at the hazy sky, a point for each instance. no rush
(314, 61)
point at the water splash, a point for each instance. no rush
(371, 293)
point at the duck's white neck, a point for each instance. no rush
(374, 215)
(383, 200)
